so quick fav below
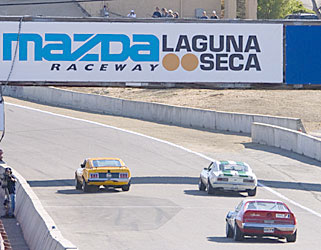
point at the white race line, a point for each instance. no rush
(289, 200)
(168, 143)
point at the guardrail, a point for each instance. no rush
(155, 112)
(39, 230)
(287, 139)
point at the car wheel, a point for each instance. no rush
(229, 231)
(210, 189)
(78, 185)
(125, 188)
(291, 238)
(237, 235)
(201, 185)
(85, 186)
(252, 192)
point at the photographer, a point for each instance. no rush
(9, 184)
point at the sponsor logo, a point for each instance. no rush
(138, 52)
(219, 53)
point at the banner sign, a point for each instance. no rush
(141, 52)
(303, 54)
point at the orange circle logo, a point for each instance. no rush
(189, 62)
(171, 62)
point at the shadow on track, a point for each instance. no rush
(219, 194)
(251, 240)
(292, 185)
(52, 183)
(165, 180)
(74, 191)
(134, 180)
(183, 181)
(282, 152)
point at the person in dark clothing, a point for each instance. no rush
(214, 16)
(164, 12)
(204, 16)
(157, 13)
(9, 184)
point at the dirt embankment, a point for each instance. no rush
(304, 104)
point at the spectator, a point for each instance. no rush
(9, 184)
(204, 16)
(214, 16)
(132, 14)
(157, 13)
(170, 14)
(176, 15)
(105, 12)
(164, 12)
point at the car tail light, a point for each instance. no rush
(123, 175)
(248, 180)
(94, 175)
(222, 179)
(254, 214)
(294, 219)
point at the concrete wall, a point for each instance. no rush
(145, 8)
(175, 115)
(251, 9)
(39, 230)
(288, 139)
(230, 7)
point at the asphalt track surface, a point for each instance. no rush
(163, 209)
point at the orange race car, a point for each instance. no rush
(107, 172)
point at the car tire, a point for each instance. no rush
(125, 188)
(237, 234)
(229, 231)
(292, 237)
(252, 192)
(85, 186)
(201, 185)
(210, 189)
(78, 185)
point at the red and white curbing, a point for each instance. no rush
(4, 240)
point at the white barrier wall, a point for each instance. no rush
(291, 140)
(175, 115)
(39, 230)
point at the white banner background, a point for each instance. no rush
(269, 36)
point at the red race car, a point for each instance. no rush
(261, 218)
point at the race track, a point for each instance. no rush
(164, 209)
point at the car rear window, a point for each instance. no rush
(269, 206)
(106, 163)
(235, 167)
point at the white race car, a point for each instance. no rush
(228, 175)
